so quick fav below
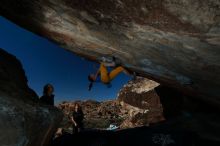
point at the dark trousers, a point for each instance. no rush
(78, 128)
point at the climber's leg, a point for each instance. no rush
(115, 72)
(104, 74)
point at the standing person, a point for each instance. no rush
(48, 96)
(77, 118)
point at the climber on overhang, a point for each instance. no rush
(105, 76)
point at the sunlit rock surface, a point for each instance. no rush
(141, 101)
(23, 121)
(175, 42)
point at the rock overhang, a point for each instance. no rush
(175, 42)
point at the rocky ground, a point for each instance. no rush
(137, 105)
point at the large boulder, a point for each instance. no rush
(175, 42)
(23, 120)
(141, 101)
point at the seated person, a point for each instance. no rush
(48, 96)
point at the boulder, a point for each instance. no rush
(23, 120)
(141, 101)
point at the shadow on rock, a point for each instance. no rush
(142, 136)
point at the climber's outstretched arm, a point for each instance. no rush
(97, 74)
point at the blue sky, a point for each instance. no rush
(45, 62)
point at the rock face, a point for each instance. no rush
(180, 111)
(138, 92)
(23, 121)
(175, 42)
(141, 101)
(13, 79)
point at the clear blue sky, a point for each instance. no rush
(45, 62)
